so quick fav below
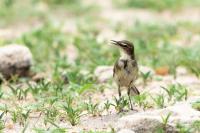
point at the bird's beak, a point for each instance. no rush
(115, 42)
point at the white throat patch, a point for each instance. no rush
(124, 56)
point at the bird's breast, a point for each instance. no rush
(125, 71)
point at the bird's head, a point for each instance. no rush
(126, 46)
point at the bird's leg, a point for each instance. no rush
(119, 91)
(129, 97)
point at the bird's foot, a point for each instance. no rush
(135, 109)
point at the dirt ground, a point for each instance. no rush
(108, 12)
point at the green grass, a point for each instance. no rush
(55, 130)
(152, 48)
(2, 126)
(73, 114)
(92, 109)
(176, 92)
(158, 5)
(13, 11)
(142, 100)
(196, 105)
(120, 104)
(155, 45)
(145, 77)
(191, 128)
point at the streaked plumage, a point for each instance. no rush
(125, 72)
(126, 69)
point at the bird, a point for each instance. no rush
(125, 71)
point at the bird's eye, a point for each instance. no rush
(124, 45)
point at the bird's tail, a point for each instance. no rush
(135, 90)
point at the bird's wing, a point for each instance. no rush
(134, 63)
(133, 68)
(115, 68)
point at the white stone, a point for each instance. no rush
(15, 59)
(149, 121)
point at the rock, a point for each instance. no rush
(15, 60)
(103, 73)
(150, 121)
(163, 70)
(139, 123)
